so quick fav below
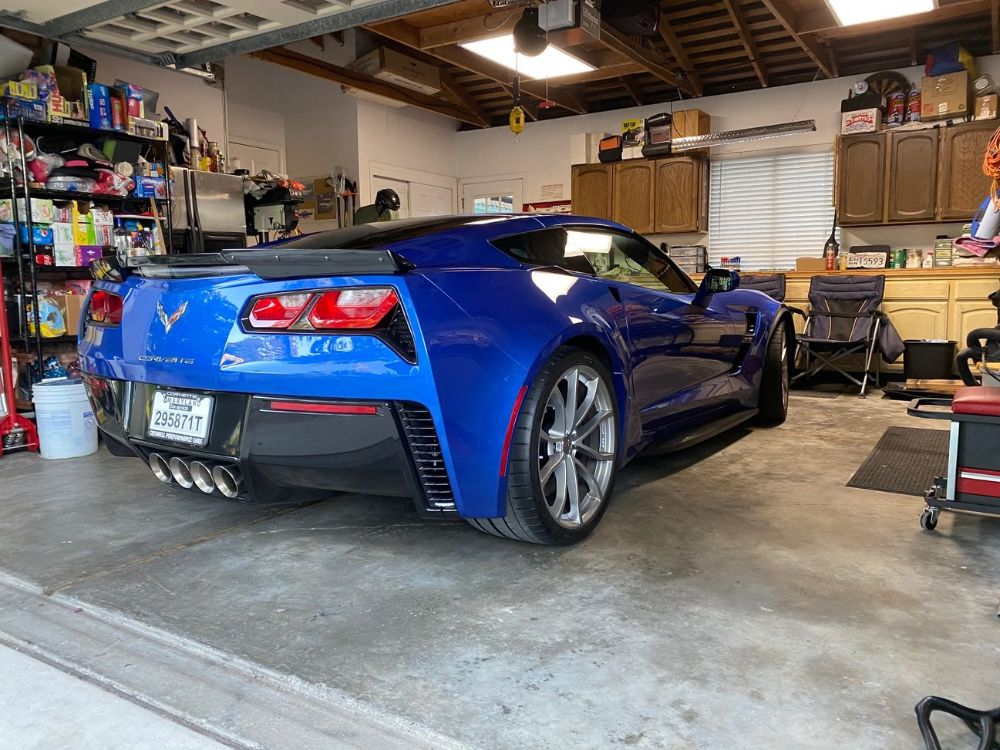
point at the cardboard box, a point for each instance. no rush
(99, 106)
(101, 215)
(861, 121)
(62, 233)
(585, 148)
(27, 90)
(40, 234)
(689, 122)
(42, 210)
(73, 304)
(986, 107)
(944, 96)
(64, 254)
(34, 111)
(810, 263)
(87, 254)
(68, 92)
(633, 132)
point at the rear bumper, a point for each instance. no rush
(292, 447)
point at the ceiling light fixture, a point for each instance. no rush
(850, 12)
(551, 63)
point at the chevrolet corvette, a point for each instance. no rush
(498, 369)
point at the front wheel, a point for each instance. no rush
(563, 455)
(775, 380)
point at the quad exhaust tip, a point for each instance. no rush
(160, 466)
(227, 479)
(201, 473)
(180, 470)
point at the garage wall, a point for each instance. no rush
(541, 155)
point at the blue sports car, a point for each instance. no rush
(496, 369)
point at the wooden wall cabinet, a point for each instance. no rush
(681, 195)
(962, 186)
(592, 188)
(665, 196)
(861, 179)
(635, 194)
(911, 176)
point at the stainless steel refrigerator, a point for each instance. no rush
(207, 211)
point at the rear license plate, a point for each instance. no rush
(180, 417)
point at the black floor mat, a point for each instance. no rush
(905, 461)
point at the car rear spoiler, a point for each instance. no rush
(267, 263)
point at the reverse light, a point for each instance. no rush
(352, 308)
(279, 311)
(105, 308)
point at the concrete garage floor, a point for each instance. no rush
(737, 595)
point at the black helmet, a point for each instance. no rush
(387, 199)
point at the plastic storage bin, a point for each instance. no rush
(66, 424)
(928, 359)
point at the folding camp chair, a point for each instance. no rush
(843, 320)
(771, 284)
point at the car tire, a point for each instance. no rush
(775, 381)
(549, 512)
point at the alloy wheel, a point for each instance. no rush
(576, 446)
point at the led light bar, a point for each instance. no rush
(727, 137)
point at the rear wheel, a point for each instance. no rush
(775, 381)
(563, 455)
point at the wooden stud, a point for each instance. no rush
(618, 42)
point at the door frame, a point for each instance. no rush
(510, 180)
(254, 143)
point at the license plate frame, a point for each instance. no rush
(196, 409)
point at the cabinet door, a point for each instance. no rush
(968, 316)
(633, 195)
(860, 179)
(681, 195)
(592, 190)
(918, 319)
(962, 186)
(913, 159)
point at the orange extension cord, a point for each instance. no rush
(991, 166)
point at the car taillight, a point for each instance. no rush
(279, 311)
(352, 308)
(106, 308)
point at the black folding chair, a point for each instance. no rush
(772, 284)
(843, 320)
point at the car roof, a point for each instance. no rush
(383, 234)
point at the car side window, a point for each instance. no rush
(621, 257)
(547, 247)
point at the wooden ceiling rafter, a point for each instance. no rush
(785, 15)
(289, 58)
(650, 60)
(747, 40)
(676, 48)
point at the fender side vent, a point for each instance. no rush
(399, 334)
(425, 448)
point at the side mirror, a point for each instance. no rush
(716, 280)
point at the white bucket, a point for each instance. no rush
(66, 424)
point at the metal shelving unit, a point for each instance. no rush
(22, 265)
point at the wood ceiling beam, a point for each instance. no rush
(680, 54)
(468, 29)
(461, 97)
(823, 22)
(632, 90)
(305, 64)
(746, 39)
(783, 12)
(649, 60)
(409, 36)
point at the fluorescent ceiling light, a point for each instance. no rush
(850, 12)
(552, 63)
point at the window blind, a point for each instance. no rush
(769, 210)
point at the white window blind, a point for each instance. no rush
(769, 210)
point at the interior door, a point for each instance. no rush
(430, 200)
(257, 157)
(496, 197)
